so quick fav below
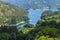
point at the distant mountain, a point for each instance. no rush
(35, 4)
(10, 13)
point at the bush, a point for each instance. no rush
(4, 36)
(45, 38)
(52, 32)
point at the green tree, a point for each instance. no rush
(45, 38)
(4, 36)
(52, 32)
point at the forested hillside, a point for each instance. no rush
(47, 28)
(50, 15)
(9, 12)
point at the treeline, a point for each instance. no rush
(47, 28)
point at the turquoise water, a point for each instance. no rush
(34, 15)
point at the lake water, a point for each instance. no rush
(34, 15)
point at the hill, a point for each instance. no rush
(51, 15)
(11, 14)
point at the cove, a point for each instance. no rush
(34, 15)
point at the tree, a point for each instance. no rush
(53, 23)
(52, 32)
(41, 23)
(4, 36)
(58, 25)
(46, 14)
(45, 38)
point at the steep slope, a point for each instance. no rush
(51, 15)
(11, 14)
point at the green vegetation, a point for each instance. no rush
(28, 25)
(50, 16)
(25, 30)
(11, 14)
(47, 28)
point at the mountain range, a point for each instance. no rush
(35, 4)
